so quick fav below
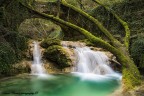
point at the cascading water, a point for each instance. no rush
(37, 67)
(89, 79)
(94, 64)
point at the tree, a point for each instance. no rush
(131, 75)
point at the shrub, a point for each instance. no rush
(7, 58)
(137, 52)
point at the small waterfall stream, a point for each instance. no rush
(93, 65)
(92, 76)
(37, 67)
(90, 61)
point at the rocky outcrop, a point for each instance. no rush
(54, 52)
(58, 55)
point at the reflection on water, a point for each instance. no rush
(57, 85)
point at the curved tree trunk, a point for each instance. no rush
(122, 22)
(113, 40)
(131, 75)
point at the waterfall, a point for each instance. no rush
(37, 67)
(93, 65)
(90, 61)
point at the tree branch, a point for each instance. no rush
(131, 76)
(87, 34)
(114, 41)
(123, 23)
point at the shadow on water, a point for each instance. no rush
(57, 85)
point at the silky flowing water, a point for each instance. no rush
(92, 76)
(37, 68)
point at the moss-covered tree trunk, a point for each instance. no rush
(131, 75)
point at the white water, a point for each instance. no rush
(93, 65)
(37, 68)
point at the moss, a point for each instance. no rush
(118, 50)
(37, 28)
(95, 21)
(58, 55)
(87, 42)
(49, 42)
(122, 22)
(130, 79)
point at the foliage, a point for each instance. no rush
(7, 58)
(137, 52)
(17, 42)
(58, 55)
(12, 46)
(13, 7)
(55, 52)
(49, 42)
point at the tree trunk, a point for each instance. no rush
(108, 34)
(131, 75)
(122, 22)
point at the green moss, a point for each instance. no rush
(118, 49)
(58, 55)
(87, 42)
(49, 42)
(130, 79)
(95, 21)
(37, 28)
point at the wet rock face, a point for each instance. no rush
(60, 56)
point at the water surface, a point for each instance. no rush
(59, 85)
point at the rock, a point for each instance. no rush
(49, 42)
(22, 67)
(58, 55)
(72, 44)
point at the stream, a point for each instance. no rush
(92, 76)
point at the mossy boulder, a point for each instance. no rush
(37, 28)
(58, 55)
(49, 42)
